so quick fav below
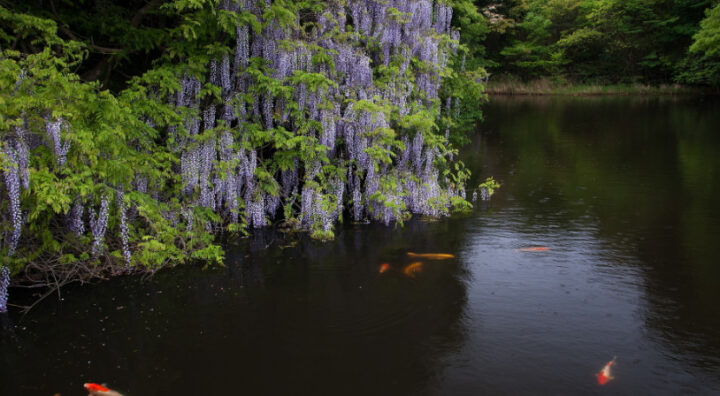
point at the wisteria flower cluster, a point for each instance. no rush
(347, 112)
(328, 116)
(15, 177)
(4, 284)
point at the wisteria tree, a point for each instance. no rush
(299, 113)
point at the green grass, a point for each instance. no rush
(545, 86)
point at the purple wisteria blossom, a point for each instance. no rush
(4, 284)
(124, 228)
(222, 163)
(61, 148)
(75, 221)
(11, 175)
(98, 225)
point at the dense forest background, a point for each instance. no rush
(135, 132)
(604, 41)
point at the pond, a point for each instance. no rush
(621, 191)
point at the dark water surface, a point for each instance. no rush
(624, 192)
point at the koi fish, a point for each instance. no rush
(412, 269)
(384, 267)
(99, 390)
(431, 256)
(605, 375)
(535, 249)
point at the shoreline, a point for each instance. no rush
(546, 87)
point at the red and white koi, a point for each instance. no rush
(99, 390)
(605, 375)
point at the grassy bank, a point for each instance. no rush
(549, 87)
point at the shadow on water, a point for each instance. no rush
(287, 315)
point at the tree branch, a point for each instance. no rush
(106, 64)
(100, 49)
(137, 18)
(73, 36)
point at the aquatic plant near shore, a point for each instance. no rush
(486, 189)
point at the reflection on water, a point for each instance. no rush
(600, 243)
(622, 189)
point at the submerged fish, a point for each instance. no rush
(535, 249)
(431, 256)
(100, 390)
(605, 374)
(384, 267)
(413, 268)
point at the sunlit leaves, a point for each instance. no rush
(707, 40)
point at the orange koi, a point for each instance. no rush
(99, 390)
(605, 375)
(431, 256)
(384, 267)
(535, 249)
(90, 387)
(412, 269)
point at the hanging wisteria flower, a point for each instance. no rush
(98, 225)
(75, 217)
(23, 157)
(12, 184)
(219, 169)
(4, 284)
(225, 75)
(124, 229)
(61, 148)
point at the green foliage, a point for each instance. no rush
(490, 185)
(702, 66)
(110, 147)
(603, 41)
(107, 71)
(474, 29)
(707, 40)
